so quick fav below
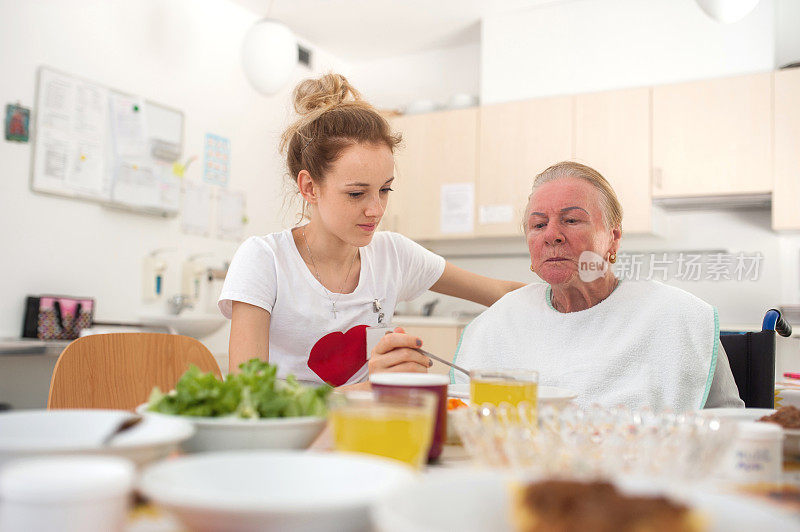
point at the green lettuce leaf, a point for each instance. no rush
(255, 392)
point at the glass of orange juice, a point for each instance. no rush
(395, 423)
(498, 386)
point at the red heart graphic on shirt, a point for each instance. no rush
(336, 357)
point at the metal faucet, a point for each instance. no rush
(177, 303)
(427, 308)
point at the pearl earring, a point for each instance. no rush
(612, 258)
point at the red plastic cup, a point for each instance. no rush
(431, 382)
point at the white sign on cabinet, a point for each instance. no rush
(458, 200)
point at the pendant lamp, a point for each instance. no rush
(727, 11)
(269, 54)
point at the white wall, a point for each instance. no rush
(594, 45)
(394, 82)
(787, 27)
(183, 53)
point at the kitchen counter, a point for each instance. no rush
(26, 368)
(429, 321)
(32, 346)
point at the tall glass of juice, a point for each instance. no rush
(395, 423)
(498, 386)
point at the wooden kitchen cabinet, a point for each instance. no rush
(517, 141)
(438, 148)
(713, 137)
(441, 341)
(786, 196)
(612, 135)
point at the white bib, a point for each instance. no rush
(647, 344)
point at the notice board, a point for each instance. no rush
(96, 143)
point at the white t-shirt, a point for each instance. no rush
(304, 337)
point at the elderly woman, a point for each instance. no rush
(637, 343)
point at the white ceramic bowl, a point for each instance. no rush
(476, 501)
(285, 491)
(65, 493)
(229, 433)
(28, 433)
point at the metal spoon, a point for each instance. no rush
(443, 361)
(126, 424)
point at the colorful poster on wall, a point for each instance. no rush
(217, 163)
(17, 123)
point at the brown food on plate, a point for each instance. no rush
(568, 505)
(783, 495)
(787, 417)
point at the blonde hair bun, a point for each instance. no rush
(332, 116)
(315, 96)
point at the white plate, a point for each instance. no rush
(272, 490)
(547, 394)
(28, 433)
(474, 501)
(737, 414)
(231, 433)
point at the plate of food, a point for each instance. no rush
(249, 410)
(546, 394)
(473, 501)
(788, 417)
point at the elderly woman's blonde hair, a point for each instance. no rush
(610, 206)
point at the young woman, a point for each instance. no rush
(302, 298)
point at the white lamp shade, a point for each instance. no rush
(269, 54)
(727, 11)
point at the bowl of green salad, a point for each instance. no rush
(253, 409)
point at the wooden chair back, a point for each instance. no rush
(119, 370)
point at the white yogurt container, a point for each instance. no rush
(757, 453)
(65, 494)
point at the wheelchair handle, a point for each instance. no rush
(774, 322)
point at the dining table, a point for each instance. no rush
(147, 517)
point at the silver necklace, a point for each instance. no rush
(319, 277)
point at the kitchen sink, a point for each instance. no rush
(194, 325)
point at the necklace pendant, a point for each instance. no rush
(333, 308)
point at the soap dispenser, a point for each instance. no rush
(193, 278)
(153, 269)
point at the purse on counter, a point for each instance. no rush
(57, 317)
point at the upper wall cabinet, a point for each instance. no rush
(786, 197)
(612, 135)
(517, 141)
(713, 137)
(438, 149)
